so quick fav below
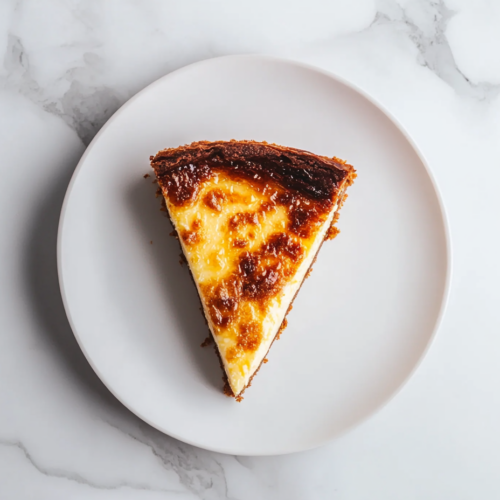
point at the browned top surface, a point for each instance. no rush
(181, 170)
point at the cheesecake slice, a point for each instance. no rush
(250, 218)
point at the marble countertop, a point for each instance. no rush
(67, 66)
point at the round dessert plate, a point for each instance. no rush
(360, 323)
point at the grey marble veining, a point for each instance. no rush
(425, 23)
(84, 95)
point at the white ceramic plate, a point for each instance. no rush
(360, 323)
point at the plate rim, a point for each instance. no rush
(442, 209)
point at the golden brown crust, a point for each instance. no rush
(181, 170)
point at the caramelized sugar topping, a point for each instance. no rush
(182, 170)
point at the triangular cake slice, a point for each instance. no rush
(250, 218)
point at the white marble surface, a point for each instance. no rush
(67, 65)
